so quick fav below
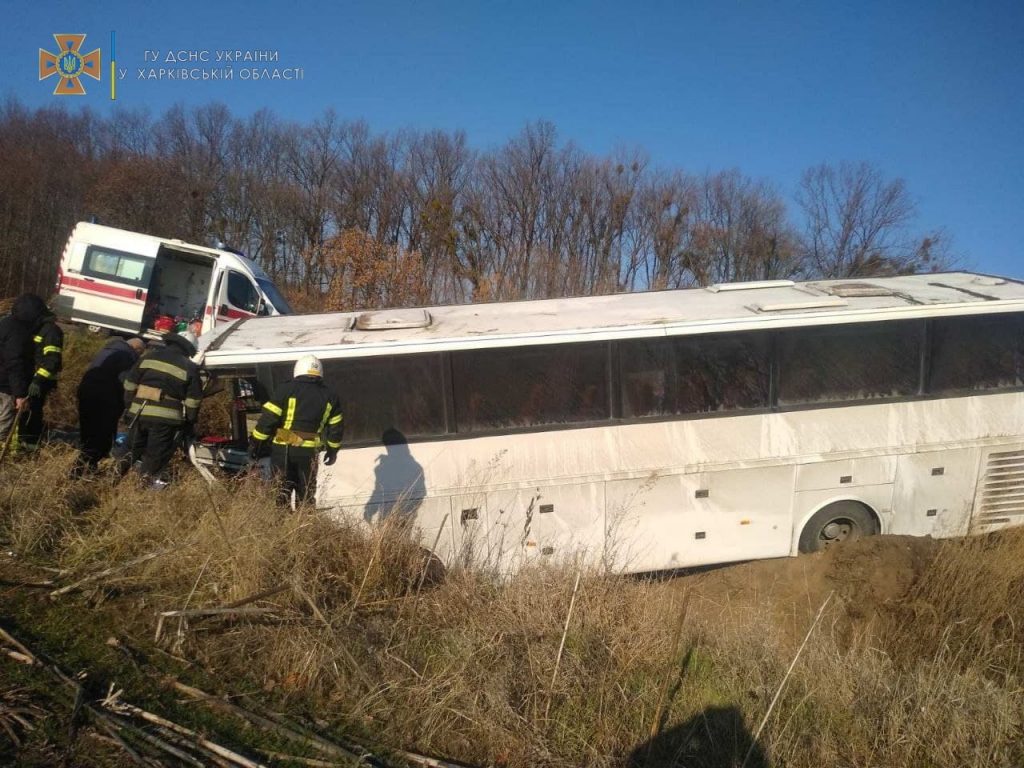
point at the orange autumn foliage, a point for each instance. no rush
(364, 273)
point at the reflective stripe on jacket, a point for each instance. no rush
(165, 385)
(304, 413)
(49, 350)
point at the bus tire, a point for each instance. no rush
(840, 521)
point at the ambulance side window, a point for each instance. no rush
(117, 266)
(242, 293)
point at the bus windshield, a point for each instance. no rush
(274, 296)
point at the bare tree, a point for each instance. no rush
(741, 231)
(857, 223)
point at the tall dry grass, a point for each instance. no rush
(466, 667)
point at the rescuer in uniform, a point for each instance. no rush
(101, 399)
(48, 349)
(16, 358)
(162, 393)
(302, 417)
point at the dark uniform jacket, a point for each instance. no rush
(302, 413)
(16, 344)
(164, 385)
(103, 381)
(49, 349)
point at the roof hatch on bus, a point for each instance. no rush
(847, 290)
(987, 280)
(393, 319)
(751, 286)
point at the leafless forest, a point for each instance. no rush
(343, 217)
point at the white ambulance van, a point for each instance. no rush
(136, 283)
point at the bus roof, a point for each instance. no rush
(713, 309)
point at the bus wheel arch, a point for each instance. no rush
(844, 520)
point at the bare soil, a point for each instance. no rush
(870, 576)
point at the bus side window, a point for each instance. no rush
(723, 373)
(861, 361)
(401, 392)
(699, 374)
(976, 353)
(646, 371)
(530, 386)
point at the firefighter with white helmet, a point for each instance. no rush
(302, 418)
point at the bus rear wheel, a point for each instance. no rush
(842, 521)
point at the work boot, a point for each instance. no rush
(83, 469)
(154, 483)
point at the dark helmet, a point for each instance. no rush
(29, 309)
(183, 341)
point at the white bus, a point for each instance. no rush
(668, 429)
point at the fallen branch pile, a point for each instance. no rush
(150, 739)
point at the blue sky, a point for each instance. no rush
(929, 91)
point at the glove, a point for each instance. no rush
(35, 389)
(330, 456)
(256, 448)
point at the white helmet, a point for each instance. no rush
(308, 365)
(185, 341)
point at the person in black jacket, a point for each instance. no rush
(100, 399)
(48, 346)
(162, 393)
(16, 358)
(302, 417)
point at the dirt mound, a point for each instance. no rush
(868, 577)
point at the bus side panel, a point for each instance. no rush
(749, 513)
(427, 520)
(652, 523)
(846, 473)
(934, 493)
(570, 524)
(495, 531)
(823, 432)
(656, 446)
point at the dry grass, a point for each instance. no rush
(79, 347)
(464, 668)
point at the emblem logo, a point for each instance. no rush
(69, 64)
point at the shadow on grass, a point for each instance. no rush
(715, 738)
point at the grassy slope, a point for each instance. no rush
(918, 661)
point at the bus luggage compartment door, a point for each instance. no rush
(569, 524)
(678, 521)
(933, 493)
(488, 531)
(494, 531)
